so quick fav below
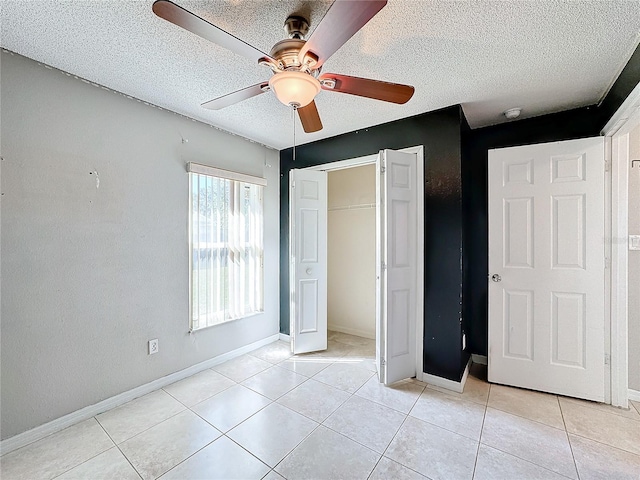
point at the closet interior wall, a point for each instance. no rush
(352, 251)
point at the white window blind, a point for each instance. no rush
(226, 245)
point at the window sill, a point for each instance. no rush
(226, 322)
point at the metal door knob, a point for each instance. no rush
(496, 278)
(308, 270)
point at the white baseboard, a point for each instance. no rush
(481, 359)
(85, 413)
(284, 337)
(352, 331)
(634, 395)
(448, 384)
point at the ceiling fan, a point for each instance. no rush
(296, 63)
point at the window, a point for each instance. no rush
(226, 245)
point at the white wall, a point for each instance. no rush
(352, 251)
(634, 263)
(90, 274)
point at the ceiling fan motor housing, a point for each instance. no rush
(285, 52)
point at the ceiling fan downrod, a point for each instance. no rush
(296, 27)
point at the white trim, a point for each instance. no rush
(359, 332)
(284, 337)
(617, 132)
(229, 175)
(448, 384)
(479, 359)
(634, 395)
(607, 273)
(371, 159)
(619, 266)
(85, 413)
(419, 151)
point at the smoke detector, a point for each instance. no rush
(512, 113)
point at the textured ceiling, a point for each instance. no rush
(543, 56)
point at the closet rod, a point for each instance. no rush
(353, 207)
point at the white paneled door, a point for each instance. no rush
(547, 267)
(308, 270)
(396, 311)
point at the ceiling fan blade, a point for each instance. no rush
(235, 97)
(364, 87)
(343, 19)
(189, 21)
(310, 118)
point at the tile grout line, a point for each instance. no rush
(118, 447)
(188, 457)
(525, 418)
(306, 379)
(296, 446)
(318, 424)
(604, 444)
(453, 394)
(222, 434)
(575, 464)
(595, 407)
(383, 404)
(392, 439)
(239, 423)
(484, 415)
(88, 459)
(510, 453)
(526, 461)
(351, 394)
(594, 440)
(243, 448)
(325, 426)
(447, 430)
(146, 429)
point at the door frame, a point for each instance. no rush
(616, 133)
(418, 150)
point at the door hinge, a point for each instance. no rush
(607, 359)
(382, 362)
(607, 166)
(383, 266)
(607, 263)
(293, 184)
(383, 167)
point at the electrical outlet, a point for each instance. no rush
(634, 242)
(153, 346)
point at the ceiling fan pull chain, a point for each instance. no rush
(293, 116)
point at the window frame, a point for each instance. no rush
(199, 169)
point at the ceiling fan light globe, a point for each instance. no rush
(295, 88)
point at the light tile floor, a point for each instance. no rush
(270, 415)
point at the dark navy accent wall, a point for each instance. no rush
(440, 134)
(622, 87)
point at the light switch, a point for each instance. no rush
(634, 242)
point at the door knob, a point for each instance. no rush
(496, 278)
(308, 270)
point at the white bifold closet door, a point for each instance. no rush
(308, 257)
(396, 314)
